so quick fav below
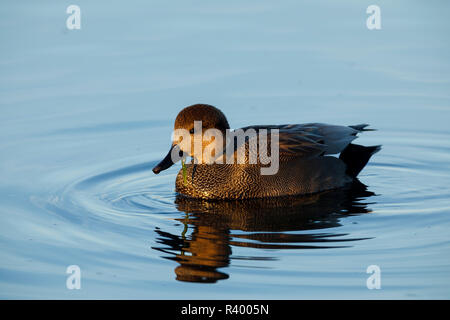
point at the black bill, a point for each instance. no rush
(174, 155)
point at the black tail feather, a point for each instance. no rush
(356, 157)
(362, 127)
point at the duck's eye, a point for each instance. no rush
(191, 131)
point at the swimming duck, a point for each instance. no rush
(304, 165)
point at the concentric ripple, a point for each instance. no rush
(204, 237)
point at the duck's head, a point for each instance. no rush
(186, 122)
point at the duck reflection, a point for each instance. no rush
(266, 224)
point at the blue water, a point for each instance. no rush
(85, 115)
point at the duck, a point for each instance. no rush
(306, 158)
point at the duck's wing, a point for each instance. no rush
(311, 139)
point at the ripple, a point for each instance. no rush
(200, 235)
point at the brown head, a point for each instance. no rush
(210, 117)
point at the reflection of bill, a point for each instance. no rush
(267, 224)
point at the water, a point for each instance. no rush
(85, 115)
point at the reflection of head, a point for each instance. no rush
(205, 250)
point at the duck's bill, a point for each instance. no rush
(169, 160)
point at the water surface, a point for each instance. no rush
(86, 114)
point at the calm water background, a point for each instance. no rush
(85, 114)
